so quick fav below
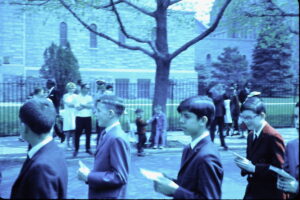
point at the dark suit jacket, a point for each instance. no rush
(44, 176)
(291, 161)
(109, 177)
(267, 150)
(54, 95)
(201, 172)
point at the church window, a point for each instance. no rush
(63, 34)
(93, 36)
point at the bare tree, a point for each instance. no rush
(159, 49)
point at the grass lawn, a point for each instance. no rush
(279, 113)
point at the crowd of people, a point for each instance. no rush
(44, 174)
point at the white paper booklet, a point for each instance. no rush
(152, 175)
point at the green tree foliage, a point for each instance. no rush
(231, 67)
(60, 65)
(271, 68)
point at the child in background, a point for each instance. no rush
(141, 131)
(161, 127)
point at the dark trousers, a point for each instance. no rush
(142, 140)
(235, 120)
(218, 121)
(83, 124)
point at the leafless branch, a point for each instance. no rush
(293, 31)
(151, 14)
(272, 15)
(107, 5)
(137, 48)
(122, 27)
(202, 35)
(30, 4)
(173, 2)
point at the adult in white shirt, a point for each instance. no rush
(84, 106)
(69, 113)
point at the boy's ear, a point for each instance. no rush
(204, 120)
(111, 113)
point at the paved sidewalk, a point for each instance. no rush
(13, 149)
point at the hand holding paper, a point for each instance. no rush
(244, 163)
(83, 171)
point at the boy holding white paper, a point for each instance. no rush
(201, 172)
(109, 176)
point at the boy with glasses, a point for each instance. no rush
(265, 147)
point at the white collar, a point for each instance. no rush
(37, 147)
(198, 139)
(259, 130)
(107, 129)
(50, 90)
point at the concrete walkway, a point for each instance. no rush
(13, 149)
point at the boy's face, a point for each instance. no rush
(139, 114)
(157, 110)
(189, 123)
(251, 119)
(103, 115)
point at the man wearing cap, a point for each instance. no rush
(101, 88)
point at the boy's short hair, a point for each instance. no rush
(109, 86)
(100, 82)
(139, 110)
(254, 104)
(199, 105)
(113, 102)
(38, 114)
(37, 90)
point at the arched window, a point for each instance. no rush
(63, 34)
(93, 36)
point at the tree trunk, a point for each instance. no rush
(161, 83)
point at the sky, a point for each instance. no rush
(201, 7)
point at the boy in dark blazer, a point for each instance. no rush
(201, 172)
(265, 147)
(109, 176)
(44, 174)
(291, 164)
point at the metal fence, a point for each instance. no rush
(137, 95)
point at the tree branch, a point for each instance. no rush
(202, 35)
(151, 14)
(114, 9)
(137, 48)
(30, 4)
(106, 6)
(173, 2)
(271, 15)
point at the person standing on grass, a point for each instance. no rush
(201, 173)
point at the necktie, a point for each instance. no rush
(25, 163)
(188, 152)
(102, 136)
(254, 139)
